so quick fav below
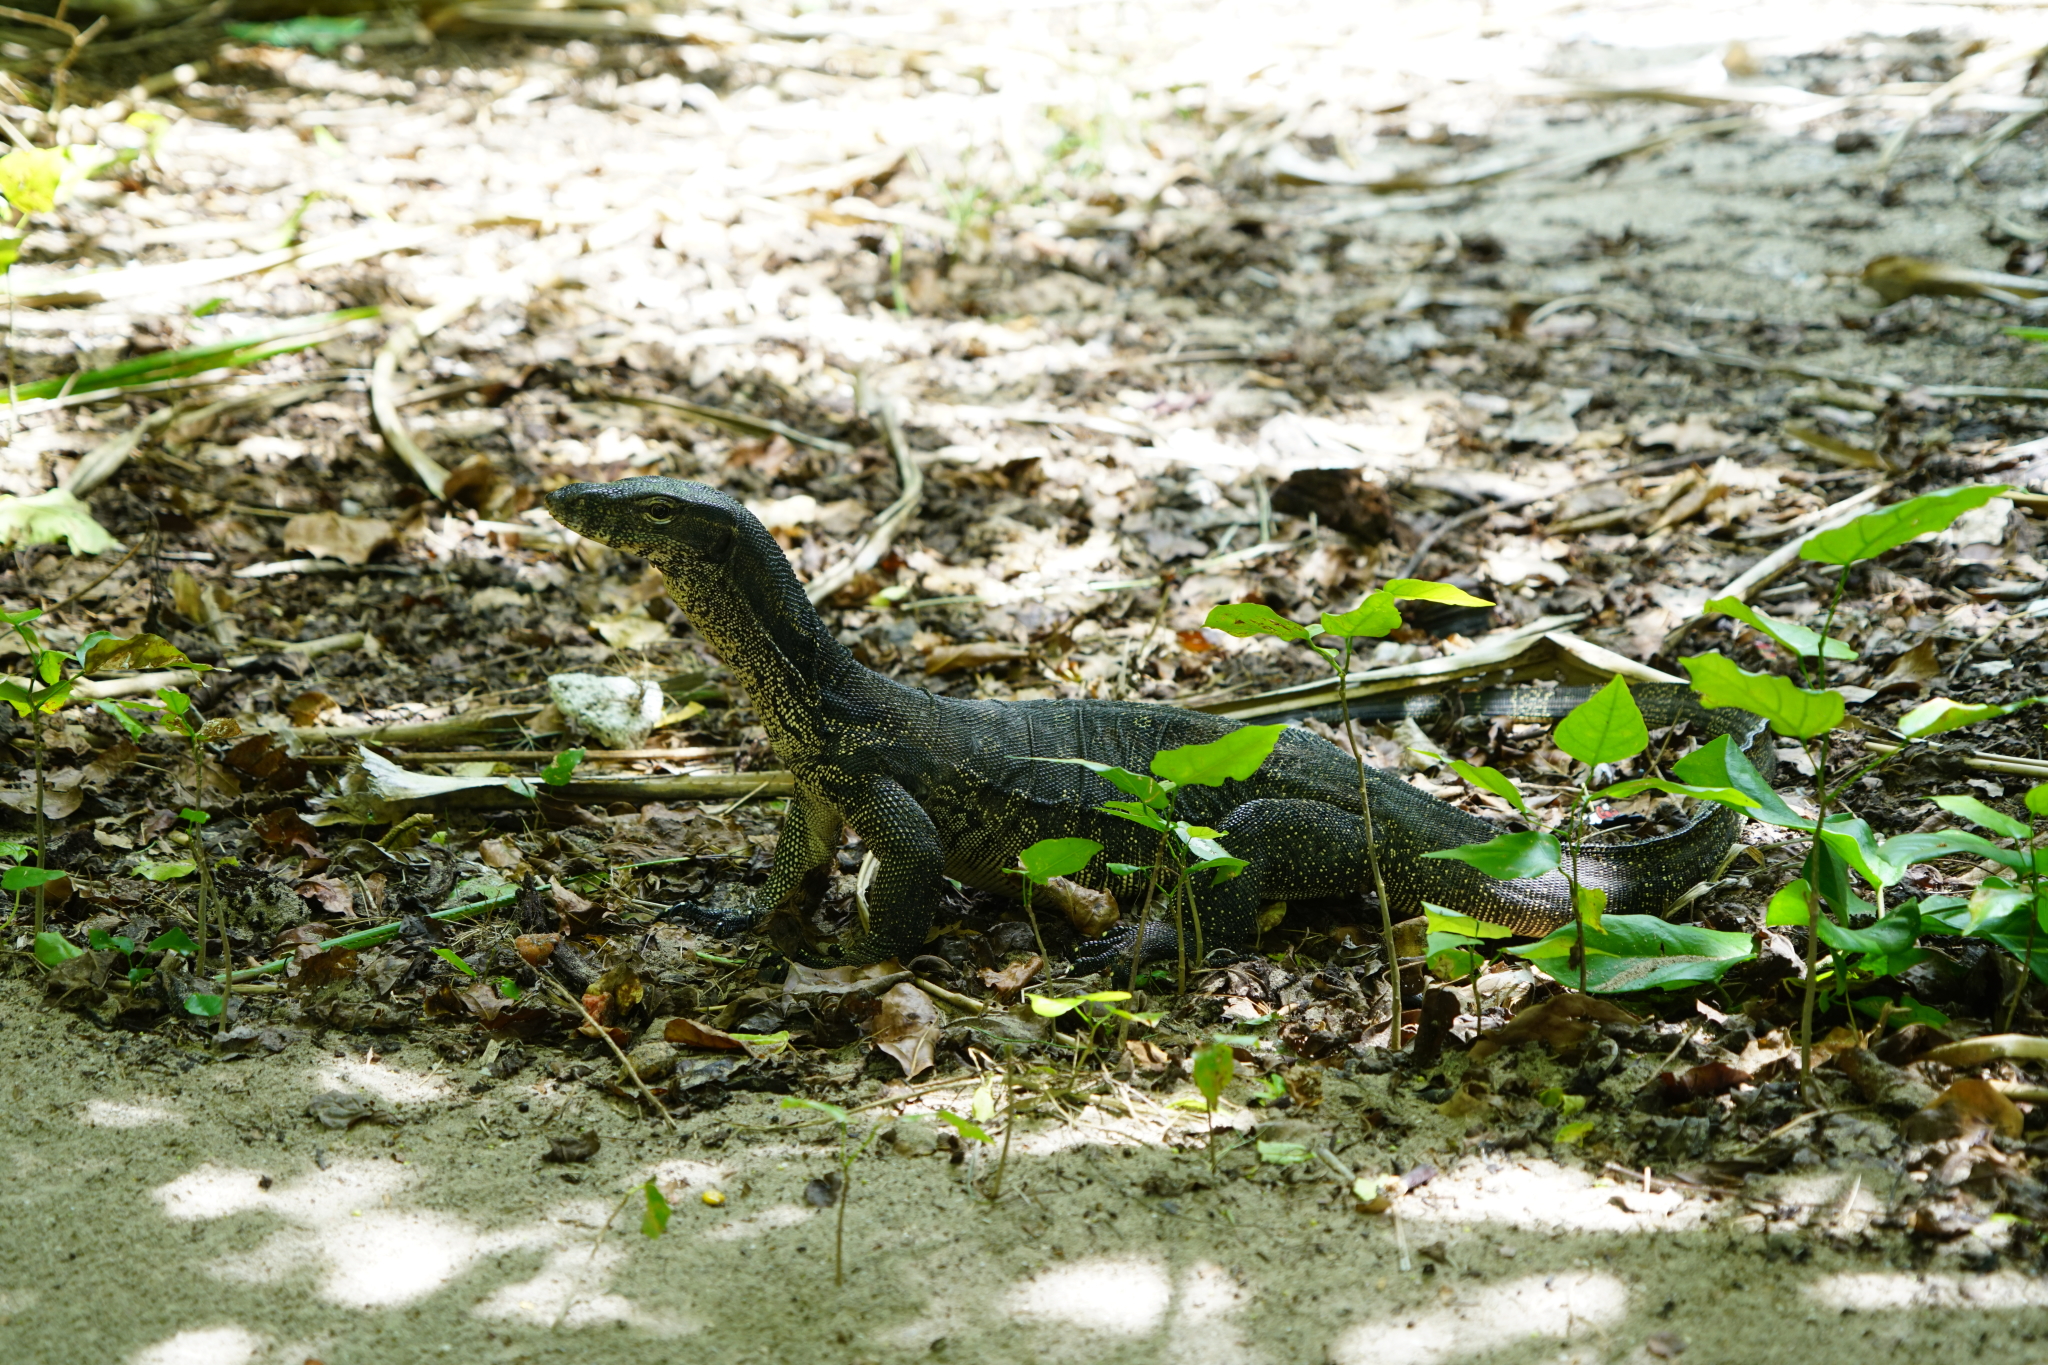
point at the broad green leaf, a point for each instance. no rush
(1053, 1006)
(50, 666)
(17, 696)
(1828, 872)
(654, 1221)
(1977, 813)
(1126, 869)
(1442, 921)
(1799, 639)
(47, 518)
(1449, 955)
(167, 871)
(1485, 778)
(1282, 1153)
(1605, 728)
(1992, 903)
(1246, 619)
(28, 878)
(1790, 709)
(1895, 933)
(174, 701)
(1720, 764)
(321, 32)
(136, 729)
(193, 816)
(1049, 858)
(1904, 850)
(1137, 812)
(1555, 1097)
(205, 1006)
(1571, 1134)
(89, 644)
(171, 941)
(454, 959)
(30, 178)
(1509, 857)
(1374, 616)
(1213, 1067)
(1790, 904)
(1726, 796)
(1637, 952)
(1870, 536)
(1939, 715)
(14, 850)
(561, 767)
(1591, 903)
(2037, 799)
(983, 1105)
(1139, 785)
(966, 1128)
(509, 988)
(1856, 843)
(830, 1111)
(1236, 755)
(1904, 1010)
(51, 949)
(1222, 865)
(1429, 590)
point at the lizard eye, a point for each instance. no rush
(660, 511)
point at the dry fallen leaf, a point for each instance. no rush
(1560, 1024)
(1970, 1109)
(1917, 667)
(1701, 1082)
(977, 654)
(1091, 912)
(907, 1028)
(1696, 432)
(326, 535)
(1007, 981)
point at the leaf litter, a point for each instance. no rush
(1108, 352)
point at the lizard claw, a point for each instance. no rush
(718, 923)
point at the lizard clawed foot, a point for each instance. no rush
(718, 923)
(1112, 952)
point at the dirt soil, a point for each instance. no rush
(1175, 305)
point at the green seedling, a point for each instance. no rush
(848, 1154)
(233, 354)
(654, 1221)
(1092, 1007)
(1377, 614)
(1044, 860)
(1213, 1067)
(321, 32)
(561, 768)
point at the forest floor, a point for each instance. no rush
(1133, 279)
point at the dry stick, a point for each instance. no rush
(893, 518)
(384, 399)
(605, 1034)
(1940, 98)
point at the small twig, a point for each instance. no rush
(384, 399)
(1683, 1039)
(605, 1035)
(883, 533)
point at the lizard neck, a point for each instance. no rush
(755, 616)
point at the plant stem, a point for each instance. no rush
(1821, 795)
(995, 1189)
(1372, 851)
(845, 1193)
(42, 820)
(1032, 915)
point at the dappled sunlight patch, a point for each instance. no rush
(1556, 1307)
(677, 1176)
(202, 1346)
(570, 1290)
(1543, 1196)
(1191, 1316)
(116, 1114)
(393, 1084)
(1896, 1289)
(1125, 1296)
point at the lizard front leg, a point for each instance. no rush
(807, 840)
(907, 885)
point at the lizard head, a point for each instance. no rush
(683, 528)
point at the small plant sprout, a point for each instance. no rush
(969, 1131)
(1376, 615)
(848, 1154)
(562, 767)
(654, 1220)
(1234, 756)
(1213, 1067)
(1044, 860)
(1092, 1007)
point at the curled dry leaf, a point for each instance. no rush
(536, 948)
(1007, 981)
(907, 1027)
(1991, 1047)
(1917, 667)
(1560, 1024)
(693, 1033)
(326, 535)
(977, 654)
(1091, 912)
(1700, 1082)
(1970, 1109)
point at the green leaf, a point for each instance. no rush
(1605, 728)
(174, 701)
(1049, 858)
(2037, 799)
(1790, 904)
(1799, 639)
(830, 1111)
(1571, 1134)
(17, 696)
(1591, 903)
(192, 816)
(1246, 619)
(1449, 956)
(51, 949)
(1485, 778)
(1904, 850)
(1790, 709)
(966, 1128)
(135, 729)
(321, 32)
(1139, 785)
(1282, 1153)
(1442, 921)
(1429, 590)
(1223, 865)
(50, 666)
(167, 871)
(28, 878)
(1555, 1097)
(454, 959)
(1138, 812)
(561, 767)
(47, 518)
(205, 1006)
(1977, 813)
(1053, 1006)
(1213, 1067)
(1720, 764)
(1636, 952)
(1126, 869)
(509, 988)
(654, 1221)
(15, 851)
(171, 941)
(1236, 755)
(1509, 857)
(764, 1044)
(1856, 843)
(1895, 933)
(1904, 1010)
(30, 178)
(1870, 536)
(1726, 796)
(1939, 715)
(1374, 616)
(1828, 872)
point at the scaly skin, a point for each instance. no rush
(941, 787)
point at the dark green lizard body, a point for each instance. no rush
(942, 787)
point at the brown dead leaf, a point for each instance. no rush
(1696, 432)
(1091, 912)
(976, 654)
(328, 895)
(61, 794)
(1007, 981)
(283, 829)
(327, 535)
(694, 1033)
(1560, 1024)
(313, 708)
(578, 915)
(1701, 1082)
(1970, 1110)
(1917, 667)
(536, 948)
(907, 1027)
(1146, 1055)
